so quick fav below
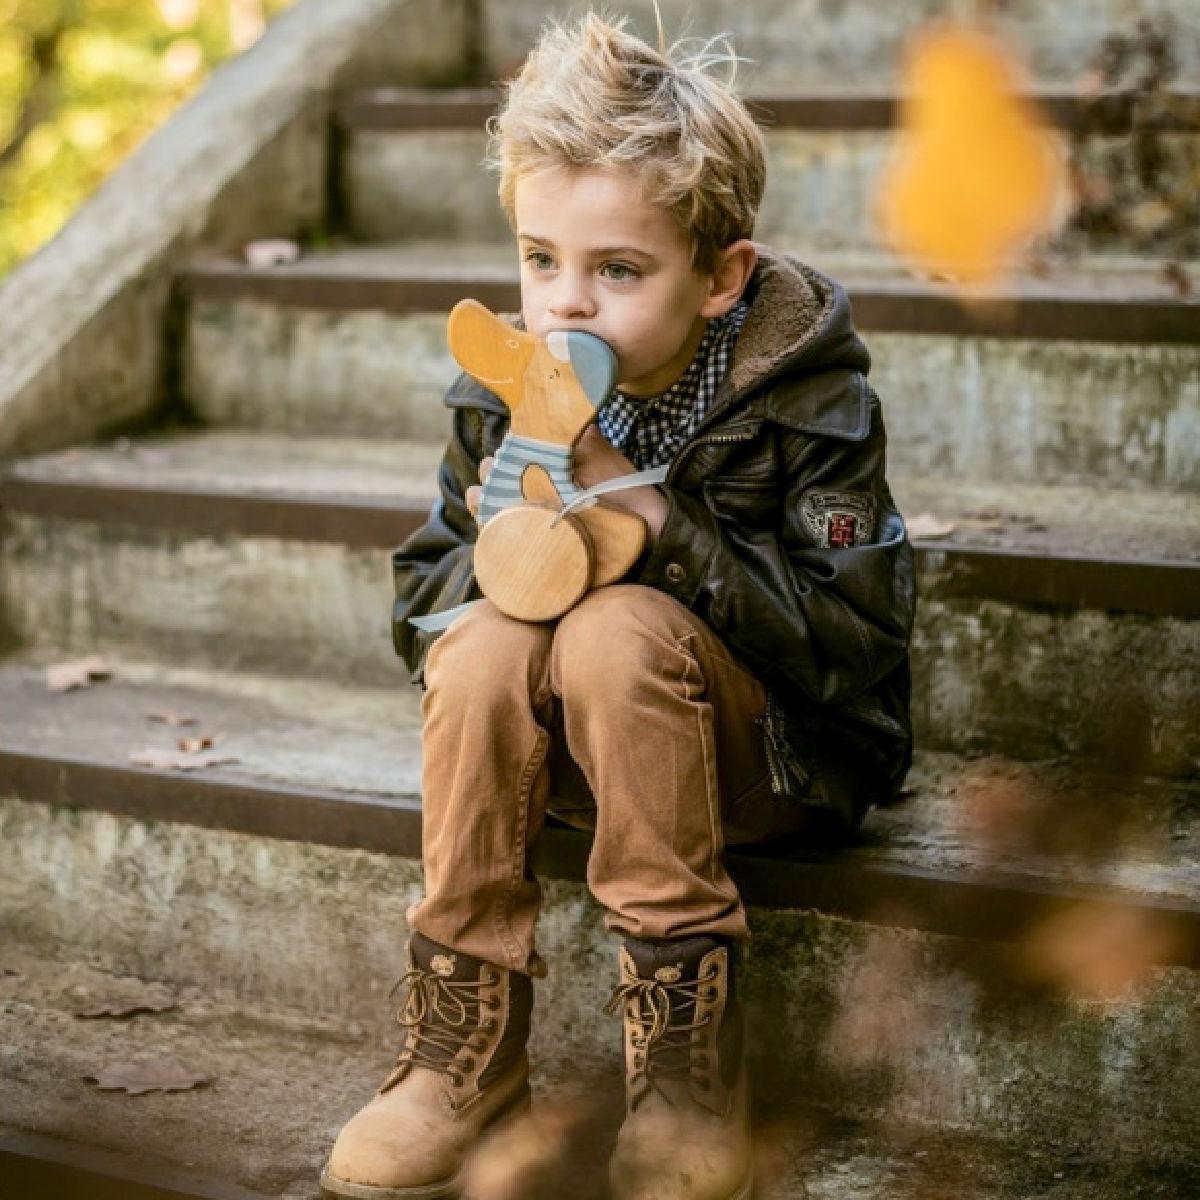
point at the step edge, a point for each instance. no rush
(1028, 578)
(877, 306)
(991, 906)
(840, 109)
(44, 1163)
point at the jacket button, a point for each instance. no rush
(675, 572)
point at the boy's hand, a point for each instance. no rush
(596, 460)
(475, 490)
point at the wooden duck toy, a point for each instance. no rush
(543, 541)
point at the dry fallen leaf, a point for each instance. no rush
(194, 745)
(176, 760)
(170, 718)
(977, 172)
(79, 673)
(119, 1009)
(271, 252)
(152, 1075)
(926, 525)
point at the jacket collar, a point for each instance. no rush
(798, 361)
(792, 305)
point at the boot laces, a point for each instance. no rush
(442, 1017)
(664, 1019)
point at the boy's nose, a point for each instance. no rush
(571, 302)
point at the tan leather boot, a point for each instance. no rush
(462, 1068)
(686, 1134)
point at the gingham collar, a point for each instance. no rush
(649, 429)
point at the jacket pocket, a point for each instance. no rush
(751, 502)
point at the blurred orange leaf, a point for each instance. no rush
(1099, 952)
(977, 174)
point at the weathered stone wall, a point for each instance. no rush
(853, 1017)
(859, 43)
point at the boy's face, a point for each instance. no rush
(596, 257)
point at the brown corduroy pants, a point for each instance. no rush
(627, 716)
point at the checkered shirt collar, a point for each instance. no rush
(648, 430)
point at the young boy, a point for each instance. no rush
(748, 680)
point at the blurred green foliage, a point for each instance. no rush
(82, 82)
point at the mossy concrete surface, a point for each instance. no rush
(980, 408)
(987, 676)
(859, 1020)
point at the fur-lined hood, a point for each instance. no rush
(799, 323)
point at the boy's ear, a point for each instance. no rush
(734, 266)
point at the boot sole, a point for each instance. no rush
(333, 1188)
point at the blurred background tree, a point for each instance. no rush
(82, 82)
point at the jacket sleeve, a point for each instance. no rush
(433, 569)
(831, 622)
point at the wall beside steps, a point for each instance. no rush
(84, 324)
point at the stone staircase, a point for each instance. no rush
(938, 1008)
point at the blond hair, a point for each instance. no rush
(594, 95)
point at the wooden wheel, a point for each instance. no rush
(532, 565)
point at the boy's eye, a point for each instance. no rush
(540, 259)
(619, 272)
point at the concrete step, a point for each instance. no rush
(284, 1079)
(1052, 620)
(409, 167)
(1088, 377)
(819, 41)
(1010, 951)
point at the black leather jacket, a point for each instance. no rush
(782, 535)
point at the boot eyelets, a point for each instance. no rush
(489, 1026)
(456, 1080)
(468, 1064)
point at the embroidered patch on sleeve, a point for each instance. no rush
(839, 519)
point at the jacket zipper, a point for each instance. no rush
(781, 760)
(773, 764)
(743, 435)
(775, 755)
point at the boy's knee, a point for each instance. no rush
(482, 645)
(614, 638)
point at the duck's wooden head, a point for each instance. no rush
(552, 386)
